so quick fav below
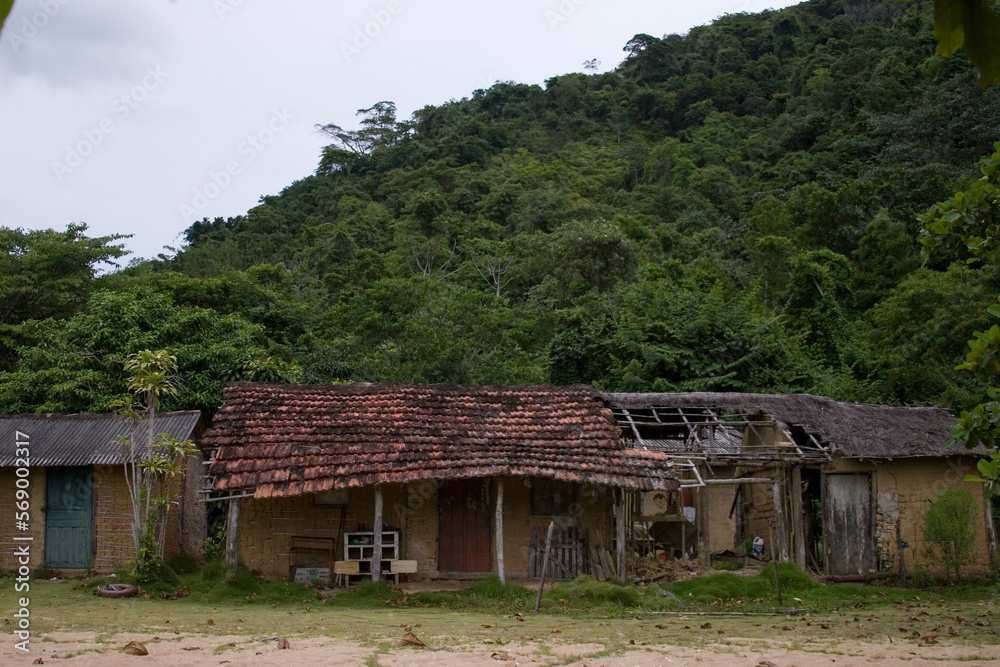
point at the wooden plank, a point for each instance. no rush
(620, 534)
(347, 567)
(777, 498)
(545, 563)
(403, 566)
(799, 519)
(848, 535)
(608, 564)
(596, 569)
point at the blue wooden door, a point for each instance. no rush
(69, 517)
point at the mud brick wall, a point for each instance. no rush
(758, 503)
(718, 500)
(8, 529)
(267, 526)
(903, 488)
(594, 516)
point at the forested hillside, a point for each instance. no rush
(735, 209)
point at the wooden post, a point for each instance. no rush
(704, 544)
(781, 545)
(233, 534)
(620, 534)
(991, 533)
(499, 531)
(798, 519)
(545, 565)
(377, 541)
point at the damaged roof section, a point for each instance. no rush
(852, 430)
(284, 440)
(712, 434)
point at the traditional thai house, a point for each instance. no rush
(839, 488)
(79, 513)
(435, 481)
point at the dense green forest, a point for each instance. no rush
(735, 209)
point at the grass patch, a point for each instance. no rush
(487, 594)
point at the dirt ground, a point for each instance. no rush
(84, 649)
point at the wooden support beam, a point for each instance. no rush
(233, 534)
(499, 531)
(739, 480)
(991, 533)
(703, 528)
(779, 521)
(620, 531)
(798, 520)
(377, 541)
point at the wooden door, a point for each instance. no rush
(464, 526)
(849, 524)
(69, 517)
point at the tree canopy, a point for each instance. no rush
(737, 208)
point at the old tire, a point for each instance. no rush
(116, 591)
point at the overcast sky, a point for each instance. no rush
(138, 117)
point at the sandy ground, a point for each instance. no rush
(89, 649)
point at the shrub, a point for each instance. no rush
(182, 564)
(950, 528)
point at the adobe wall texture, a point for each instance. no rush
(267, 526)
(8, 529)
(718, 501)
(903, 489)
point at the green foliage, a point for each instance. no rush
(5, 7)
(950, 528)
(584, 591)
(182, 564)
(971, 25)
(47, 274)
(726, 586)
(967, 226)
(732, 209)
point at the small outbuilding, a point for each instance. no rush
(438, 481)
(76, 511)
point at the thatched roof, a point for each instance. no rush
(282, 440)
(853, 430)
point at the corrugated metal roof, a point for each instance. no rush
(79, 440)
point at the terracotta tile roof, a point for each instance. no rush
(284, 440)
